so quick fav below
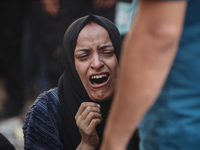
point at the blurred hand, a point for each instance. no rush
(51, 6)
(103, 4)
(87, 118)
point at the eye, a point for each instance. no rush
(108, 53)
(82, 54)
(83, 57)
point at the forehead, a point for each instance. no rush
(92, 28)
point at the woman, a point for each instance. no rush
(73, 115)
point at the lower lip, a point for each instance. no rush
(100, 85)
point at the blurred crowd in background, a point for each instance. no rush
(31, 41)
(30, 46)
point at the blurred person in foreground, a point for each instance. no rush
(159, 79)
(73, 115)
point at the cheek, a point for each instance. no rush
(81, 70)
(114, 69)
(114, 66)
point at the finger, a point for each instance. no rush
(92, 116)
(84, 105)
(86, 117)
(89, 110)
(91, 129)
(93, 124)
(89, 113)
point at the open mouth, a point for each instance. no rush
(99, 79)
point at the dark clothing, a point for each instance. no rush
(5, 144)
(43, 128)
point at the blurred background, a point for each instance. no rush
(31, 33)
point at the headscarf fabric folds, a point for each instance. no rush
(70, 88)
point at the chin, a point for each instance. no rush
(101, 98)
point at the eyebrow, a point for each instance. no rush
(80, 50)
(105, 46)
(86, 50)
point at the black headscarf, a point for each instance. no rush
(70, 88)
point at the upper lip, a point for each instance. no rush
(98, 74)
(99, 84)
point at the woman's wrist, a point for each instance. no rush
(85, 146)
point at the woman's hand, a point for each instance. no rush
(87, 118)
(103, 4)
(51, 6)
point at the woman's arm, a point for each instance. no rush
(147, 55)
(42, 126)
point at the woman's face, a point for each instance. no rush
(95, 62)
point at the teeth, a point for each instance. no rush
(99, 76)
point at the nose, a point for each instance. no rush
(97, 62)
